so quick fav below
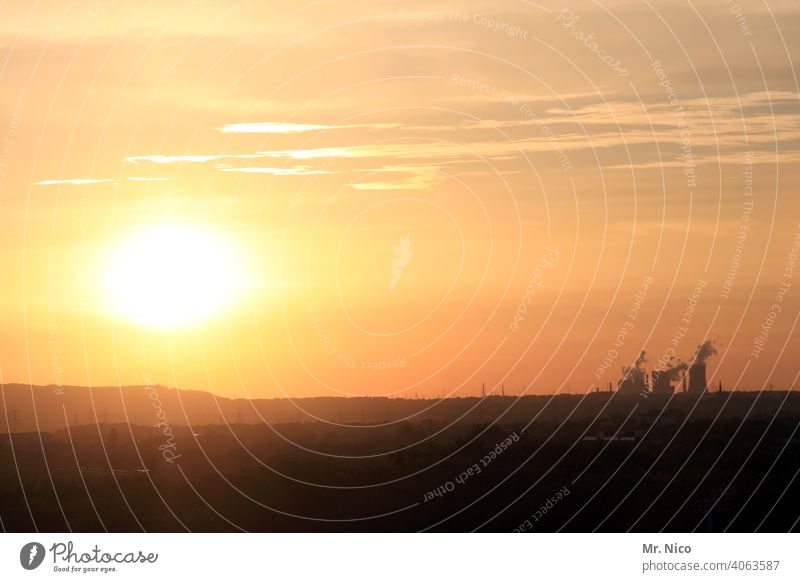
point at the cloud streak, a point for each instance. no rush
(296, 171)
(273, 127)
(73, 181)
(188, 158)
(717, 127)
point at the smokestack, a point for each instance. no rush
(661, 382)
(674, 370)
(697, 378)
(634, 379)
(697, 371)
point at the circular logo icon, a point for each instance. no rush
(31, 555)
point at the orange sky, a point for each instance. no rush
(398, 181)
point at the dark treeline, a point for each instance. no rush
(49, 408)
(725, 462)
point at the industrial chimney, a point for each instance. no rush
(697, 378)
(661, 383)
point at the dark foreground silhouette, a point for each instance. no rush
(605, 462)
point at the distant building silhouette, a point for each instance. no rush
(697, 378)
(632, 383)
(634, 378)
(661, 383)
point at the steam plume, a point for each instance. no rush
(704, 351)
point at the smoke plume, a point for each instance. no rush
(704, 351)
(637, 371)
(675, 368)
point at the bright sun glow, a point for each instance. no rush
(172, 276)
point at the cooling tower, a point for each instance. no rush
(661, 383)
(633, 382)
(697, 378)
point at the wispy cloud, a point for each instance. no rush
(82, 181)
(716, 128)
(188, 158)
(296, 171)
(279, 127)
(497, 95)
(315, 153)
(411, 183)
(417, 178)
(73, 181)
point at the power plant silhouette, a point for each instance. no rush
(690, 377)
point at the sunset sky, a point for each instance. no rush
(373, 198)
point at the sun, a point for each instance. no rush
(172, 276)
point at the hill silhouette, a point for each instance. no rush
(25, 408)
(144, 458)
